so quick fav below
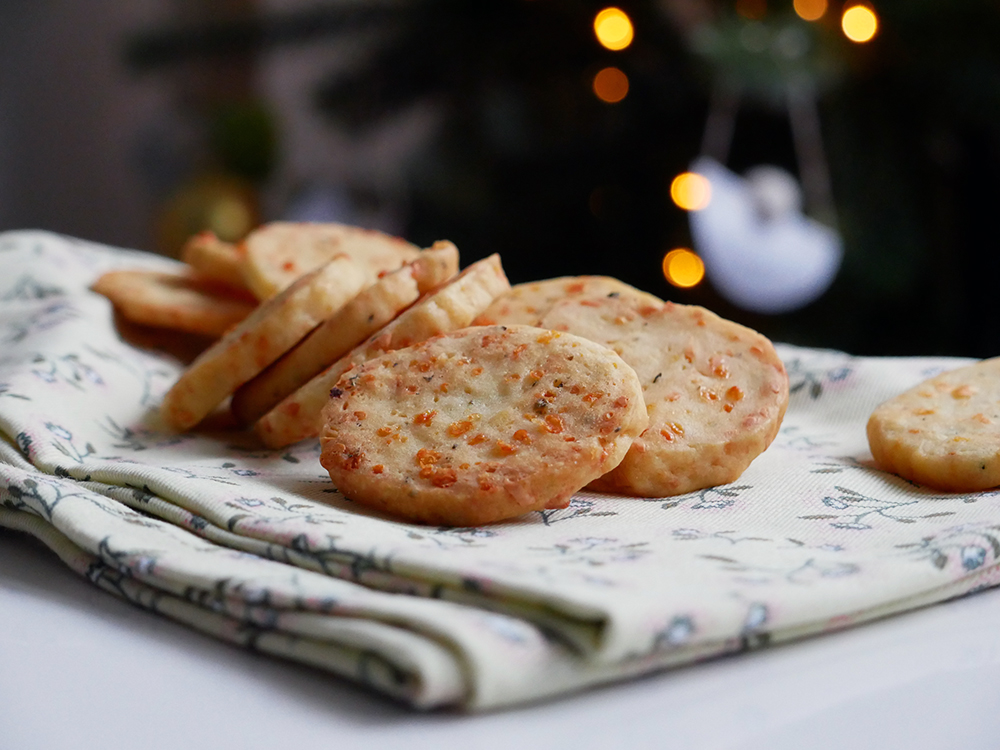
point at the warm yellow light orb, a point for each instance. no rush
(613, 28)
(683, 268)
(610, 85)
(810, 10)
(230, 218)
(691, 191)
(859, 23)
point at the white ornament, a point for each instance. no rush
(760, 251)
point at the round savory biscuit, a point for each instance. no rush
(183, 301)
(945, 432)
(449, 307)
(716, 392)
(267, 333)
(214, 258)
(374, 306)
(528, 303)
(276, 254)
(480, 425)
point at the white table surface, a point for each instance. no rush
(80, 669)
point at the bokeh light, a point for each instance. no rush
(859, 23)
(230, 218)
(610, 85)
(613, 28)
(691, 191)
(810, 10)
(683, 268)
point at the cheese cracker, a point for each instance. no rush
(447, 308)
(214, 258)
(271, 330)
(945, 432)
(479, 425)
(182, 301)
(278, 253)
(369, 311)
(716, 392)
(527, 303)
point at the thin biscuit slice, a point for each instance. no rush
(334, 337)
(528, 303)
(278, 253)
(448, 308)
(271, 330)
(435, 265)
(716, 392)
(180, 301)
(214, 258)
(945, 432)
(479, 425)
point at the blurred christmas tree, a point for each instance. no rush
(528, 161)
(538, 159)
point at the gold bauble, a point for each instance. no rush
(224, 204)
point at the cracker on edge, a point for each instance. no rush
(451, 306)
(373, 307)
(273, 328)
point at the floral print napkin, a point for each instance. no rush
(258, 548)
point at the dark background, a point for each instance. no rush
(475, 121)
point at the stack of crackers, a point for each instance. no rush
(449, 397)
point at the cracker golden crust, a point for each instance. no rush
(945, 432)
(435, 265)
(183, 301)
(278, 253)
(214, 258)
(273, 328)
(447, 308)
(480, 425)
(528, 303)
(369, 311)
(716, 392)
